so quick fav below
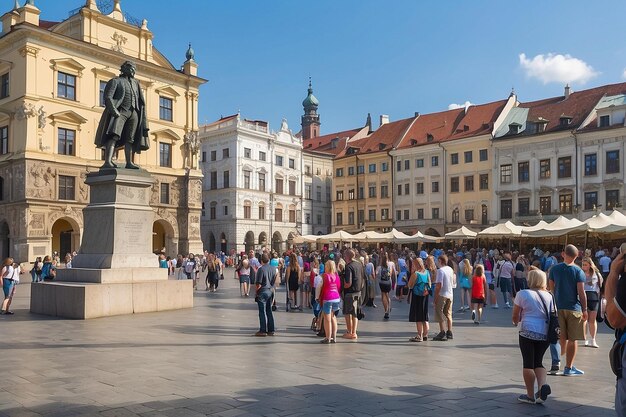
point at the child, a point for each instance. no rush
(479, 285)
(465, 269)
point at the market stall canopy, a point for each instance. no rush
(339, 236)
(559, 227)
(305, 239)
(601, 223)
(507, 229)
(422, 238)
(538, 226)
(462, 233)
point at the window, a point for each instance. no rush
(360, 169)
(279, 160)
(591, 200)
(166, 109)
(225, 210)
(292, 163)
(434, 161)
(435, 213)
(351, 194)
(212, 211)
(483, 155)
(103, 84)
(591, 164)
(454, 184)
(384, 191)
(484, 214)
(318, 219)
(544, 169)
(372, 191)
(506, 209)
(66, 187)
(545, 205)
(407, 164)
(247, 153)
(247, 210)
(339, 196)
(165, 154)
(213, 180)
(4, 140)
(420, 214)
(66, 86)
(454, 158)
(292, 216)
(406, 189)
(455, 215)
(604, 121)
(372, 168)
(565, 167)
(307, 191)
(226, 179)
(361, 194)
(361, 215)
(406, 214)
(225, 153)
(469, 215)
(505, 174)
(435, 186)
(67, 138)
(483, 180)
(261, 212)
(419, 163)
(523, 171)
(612, 199)
(203, 210)
(398, 166)
(399, 189)
(419, 188)
(203, 156)
(292, 188)
(307, 170)
(351, 217)
(165, 193)
(279, 186)
(318, 193)
(261, 181)
(384, 167)
(213, 155)
(246, 179)
(398, 214)
(565, 203)
(468, 156)
(350, 171)
(612, 162)
(523, 205)
(469, 183)
(262, 156)
(278, 214)
(339, 172)
(384, 214)
(371, 215)
(339, 219)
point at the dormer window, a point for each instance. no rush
(429, 138)
(413, 142)
(381, 146)
(514, 128)
(565, 120)
(351, 151)
(604, 121)
(333, 143)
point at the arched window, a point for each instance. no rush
(455, 215)
(247, 209)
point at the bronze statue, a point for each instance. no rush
(124, 119)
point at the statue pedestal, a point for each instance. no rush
(115, 271)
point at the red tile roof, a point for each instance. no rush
(382, 139)
(478, 120)
(47, 24)
(433, 126)
(325, 143)
(577, 106)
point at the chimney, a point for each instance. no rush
(417, 114)
(567, 91)
(384, 119)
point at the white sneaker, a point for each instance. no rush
(495, 306)
(593, 344)
(507, 305)
(586, 343)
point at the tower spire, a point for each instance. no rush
(310, 119)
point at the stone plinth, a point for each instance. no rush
(115, 271)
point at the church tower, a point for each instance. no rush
(310, 119)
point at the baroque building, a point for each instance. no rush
(52, 81)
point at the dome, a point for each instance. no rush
(310, 100)
(190, 53)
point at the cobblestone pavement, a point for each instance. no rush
(205, 361)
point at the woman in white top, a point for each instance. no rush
(530, 311)
(592, 290)
(244, 278)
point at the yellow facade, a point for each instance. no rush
(51, 110)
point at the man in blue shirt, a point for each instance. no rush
(567, 282)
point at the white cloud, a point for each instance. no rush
(557, 68)
(459, 106)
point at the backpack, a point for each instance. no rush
(190, 266)
(385, 275)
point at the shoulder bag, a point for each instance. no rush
(554, 330)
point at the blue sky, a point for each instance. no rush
(382, 57)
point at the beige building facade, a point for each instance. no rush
(53, 76)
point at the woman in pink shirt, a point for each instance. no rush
(329, 294)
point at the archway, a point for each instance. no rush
(262, 239)
(5, 243)
(158, 237)
(211, 242)
(277, 242)
(249, 241)
(64, 237)
(431, 232)
(163, 237)
(223, 243)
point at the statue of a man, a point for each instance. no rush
(123, 122)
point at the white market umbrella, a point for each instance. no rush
(462, 233)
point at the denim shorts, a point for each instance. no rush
(7, 287)
(330, 306)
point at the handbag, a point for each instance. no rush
(554, 330)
